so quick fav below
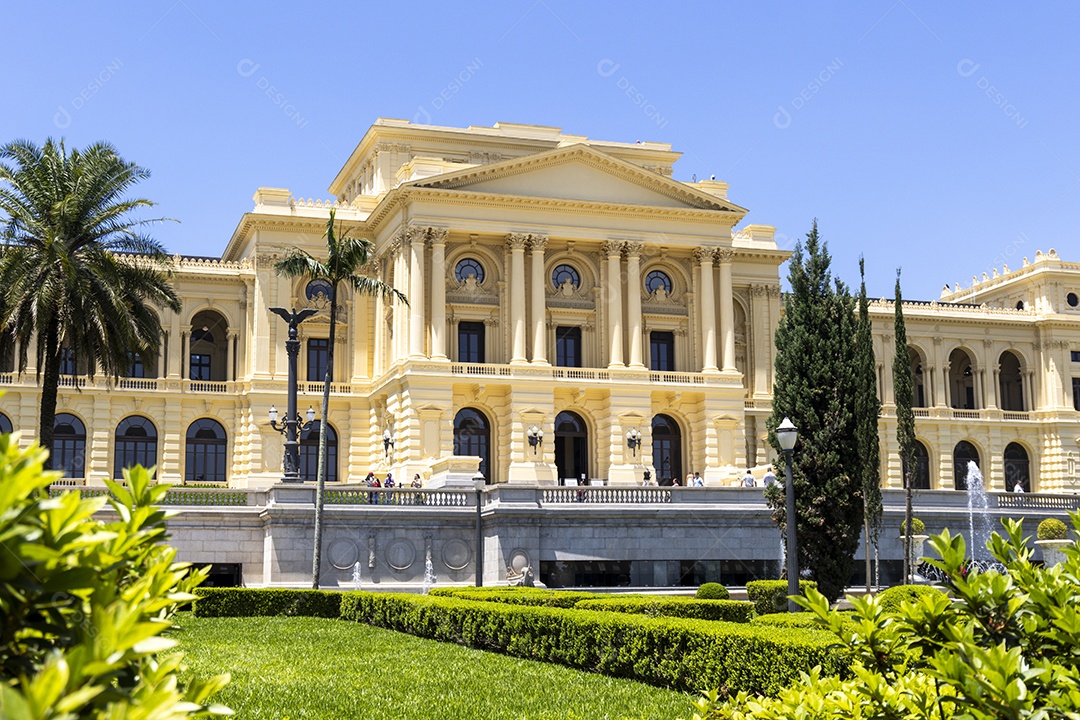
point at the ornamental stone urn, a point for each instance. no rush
(917, 542)
(1053, 551)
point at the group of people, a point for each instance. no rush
(768, 479)
(372, 481)
(694, 479)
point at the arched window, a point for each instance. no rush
(319, 290)
(208, 349)
(920, 479)
(571, 446)
(206, 452)
(657, 279)
(472, 437)
(5, 424)
(136, 444)
(309, 453)
(69, 445)
(963, 454)
(918, 379)
(1011, 386)
(961, 380)
(469, 267)
(666, 449)
(1017, 467)
(563, 273)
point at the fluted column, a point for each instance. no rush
(727, 310)
(633, 300)
(437, 236)
(398, 324)
(516, 243)
(417, 324)
(613, 288)
(538, 311)
(230, 354)
(379, 322)
(707, 305)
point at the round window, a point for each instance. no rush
(315, 288)
(469, 267)
(656, 280)
(562, 273)
(1072, 299)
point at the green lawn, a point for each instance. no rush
(303, 667)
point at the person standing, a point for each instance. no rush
(770, 477)
(748, 479)
(698, 481)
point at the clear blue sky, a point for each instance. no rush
(933, 136)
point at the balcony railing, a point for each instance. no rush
(967, 414)
(1011, 415)
(606, 495)
(399, 497)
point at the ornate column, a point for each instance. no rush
(727, 310)
(185, 358)
(230, 354)
(633, 300)
(613, 288)
(538, 311)
(516, 243)
(417, 325)
(379, 322)
(707, 303)
(397, 340)
(437, 237)
(1028, 383)
(947, 387)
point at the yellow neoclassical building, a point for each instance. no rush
(575, 313)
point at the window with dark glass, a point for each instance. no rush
(136, 369)
(67, 361)
(200, 366)
(136, 444)
(471, 342)
(5, 424)
(69, 445)
(1076, 393)
(568, 346)
(469, 267)
(7, 354)
(1076, 355)
(662, 351)
(657, 279)
(319, 290)
(205, 452)
(562, 273)
(318, 357)
(309, 453)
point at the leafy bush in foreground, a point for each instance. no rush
(892, 599)
(86, 603)
(738, 611)
(712, 591)
(1004, 647)
(1052, 529)
(770, 596)
(242, 602)
(538, 597)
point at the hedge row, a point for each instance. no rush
(537, 597)
(770, 596)
(245, 602)
(682, 654)
(684, 607)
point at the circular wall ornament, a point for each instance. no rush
(519, 560)
(469, 267)
(400, 554)
(564, 273)
(456, 554)
(343, 553)
(1072, 299)
(317, 288)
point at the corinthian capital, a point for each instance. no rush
(437, 235)
(414, 234)
(538, 242)
(704, 254)
(611, 247)
(725, 255)
(633, 249)
(517, 241)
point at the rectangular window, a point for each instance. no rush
(318, 357)
(67, 361)
(1076, 393)
(662, 351)
(200, 366)
(471, 342)
(136, 369)
(568, 346)
(1076, 356)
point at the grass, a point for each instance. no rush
(313, 668)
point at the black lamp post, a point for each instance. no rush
(479, 481)
(292, 424)
(536, 437)
(787, 434)
(633, 440)
(387, 442)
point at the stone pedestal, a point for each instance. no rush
(1053, 551)
(456, 471)
(917, 542)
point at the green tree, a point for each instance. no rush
(65, 219)
(905, 419)
(816, 385)
(867, 412)
(345, 257)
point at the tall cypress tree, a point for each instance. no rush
(867, 411)
(905, 418)
(816, 387)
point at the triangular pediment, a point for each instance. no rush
(579, 173)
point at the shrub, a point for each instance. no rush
(251, 602)
(916, 523)
(712, 591)
(789, 620)
(738, 611)
(892, 599)
(1004, 646)
(537, 597)
(770, 596)
(682, 654)
(86, 602)
(1052, 529)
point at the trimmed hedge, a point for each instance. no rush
(250, 602)
(738, 611)
(536, 597)
(892, 598)
(682, 654)
(712, 591)
(770, 596)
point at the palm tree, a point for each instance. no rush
(344, 257)
(65, 217)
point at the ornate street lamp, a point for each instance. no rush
(479, 481)
(292, 424)
(633, 440)
(536, 437)
(387, 442)
(786, 435)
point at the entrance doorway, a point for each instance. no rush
(666, 449)
(571, 446)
